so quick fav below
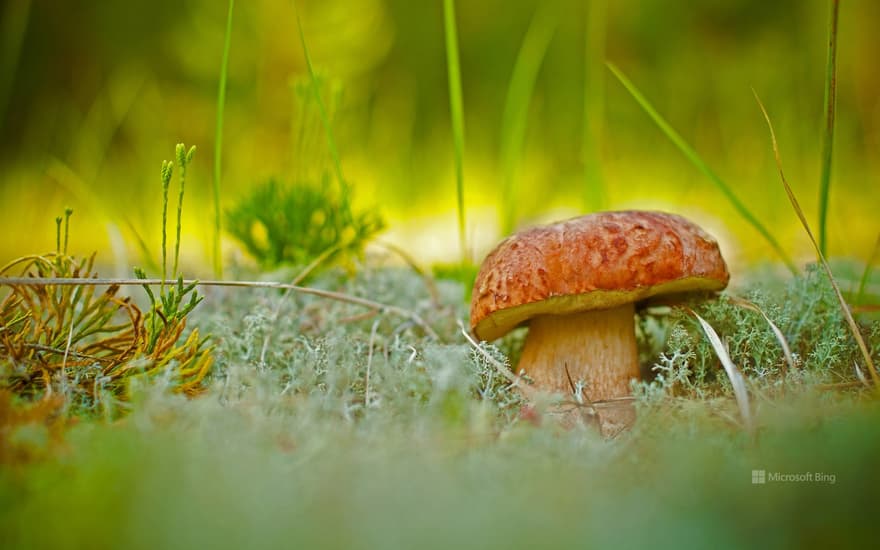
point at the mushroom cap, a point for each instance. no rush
(598, 261)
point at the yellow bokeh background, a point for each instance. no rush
(95, 95)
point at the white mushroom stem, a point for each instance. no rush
(597, 347)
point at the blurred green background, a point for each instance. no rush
(93, 95)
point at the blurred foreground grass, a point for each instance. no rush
(202, 474)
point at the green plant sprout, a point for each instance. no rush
(66, 337)
(184, 158)
(166, 173)
(166, 319)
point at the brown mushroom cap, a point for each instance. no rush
(596, 261)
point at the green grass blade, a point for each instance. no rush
(218, 142)
(844, 307)
(13, 25)
(594, 105)
(701, 165)
(866, 274)
(456, 109)
(828, 136)
(325, 119)
(516, 107)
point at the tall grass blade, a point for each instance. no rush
(344, 192)
(701, 165)
(594, 105)
(828, 136)
(844, 307)
(13, 25)
(866, 274)
(516, 107)
(456, 109)
(218, 142)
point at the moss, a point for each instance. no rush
(305, 438)
(805, 310)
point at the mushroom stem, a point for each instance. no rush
(597, 348)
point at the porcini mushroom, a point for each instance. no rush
(577, 282)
